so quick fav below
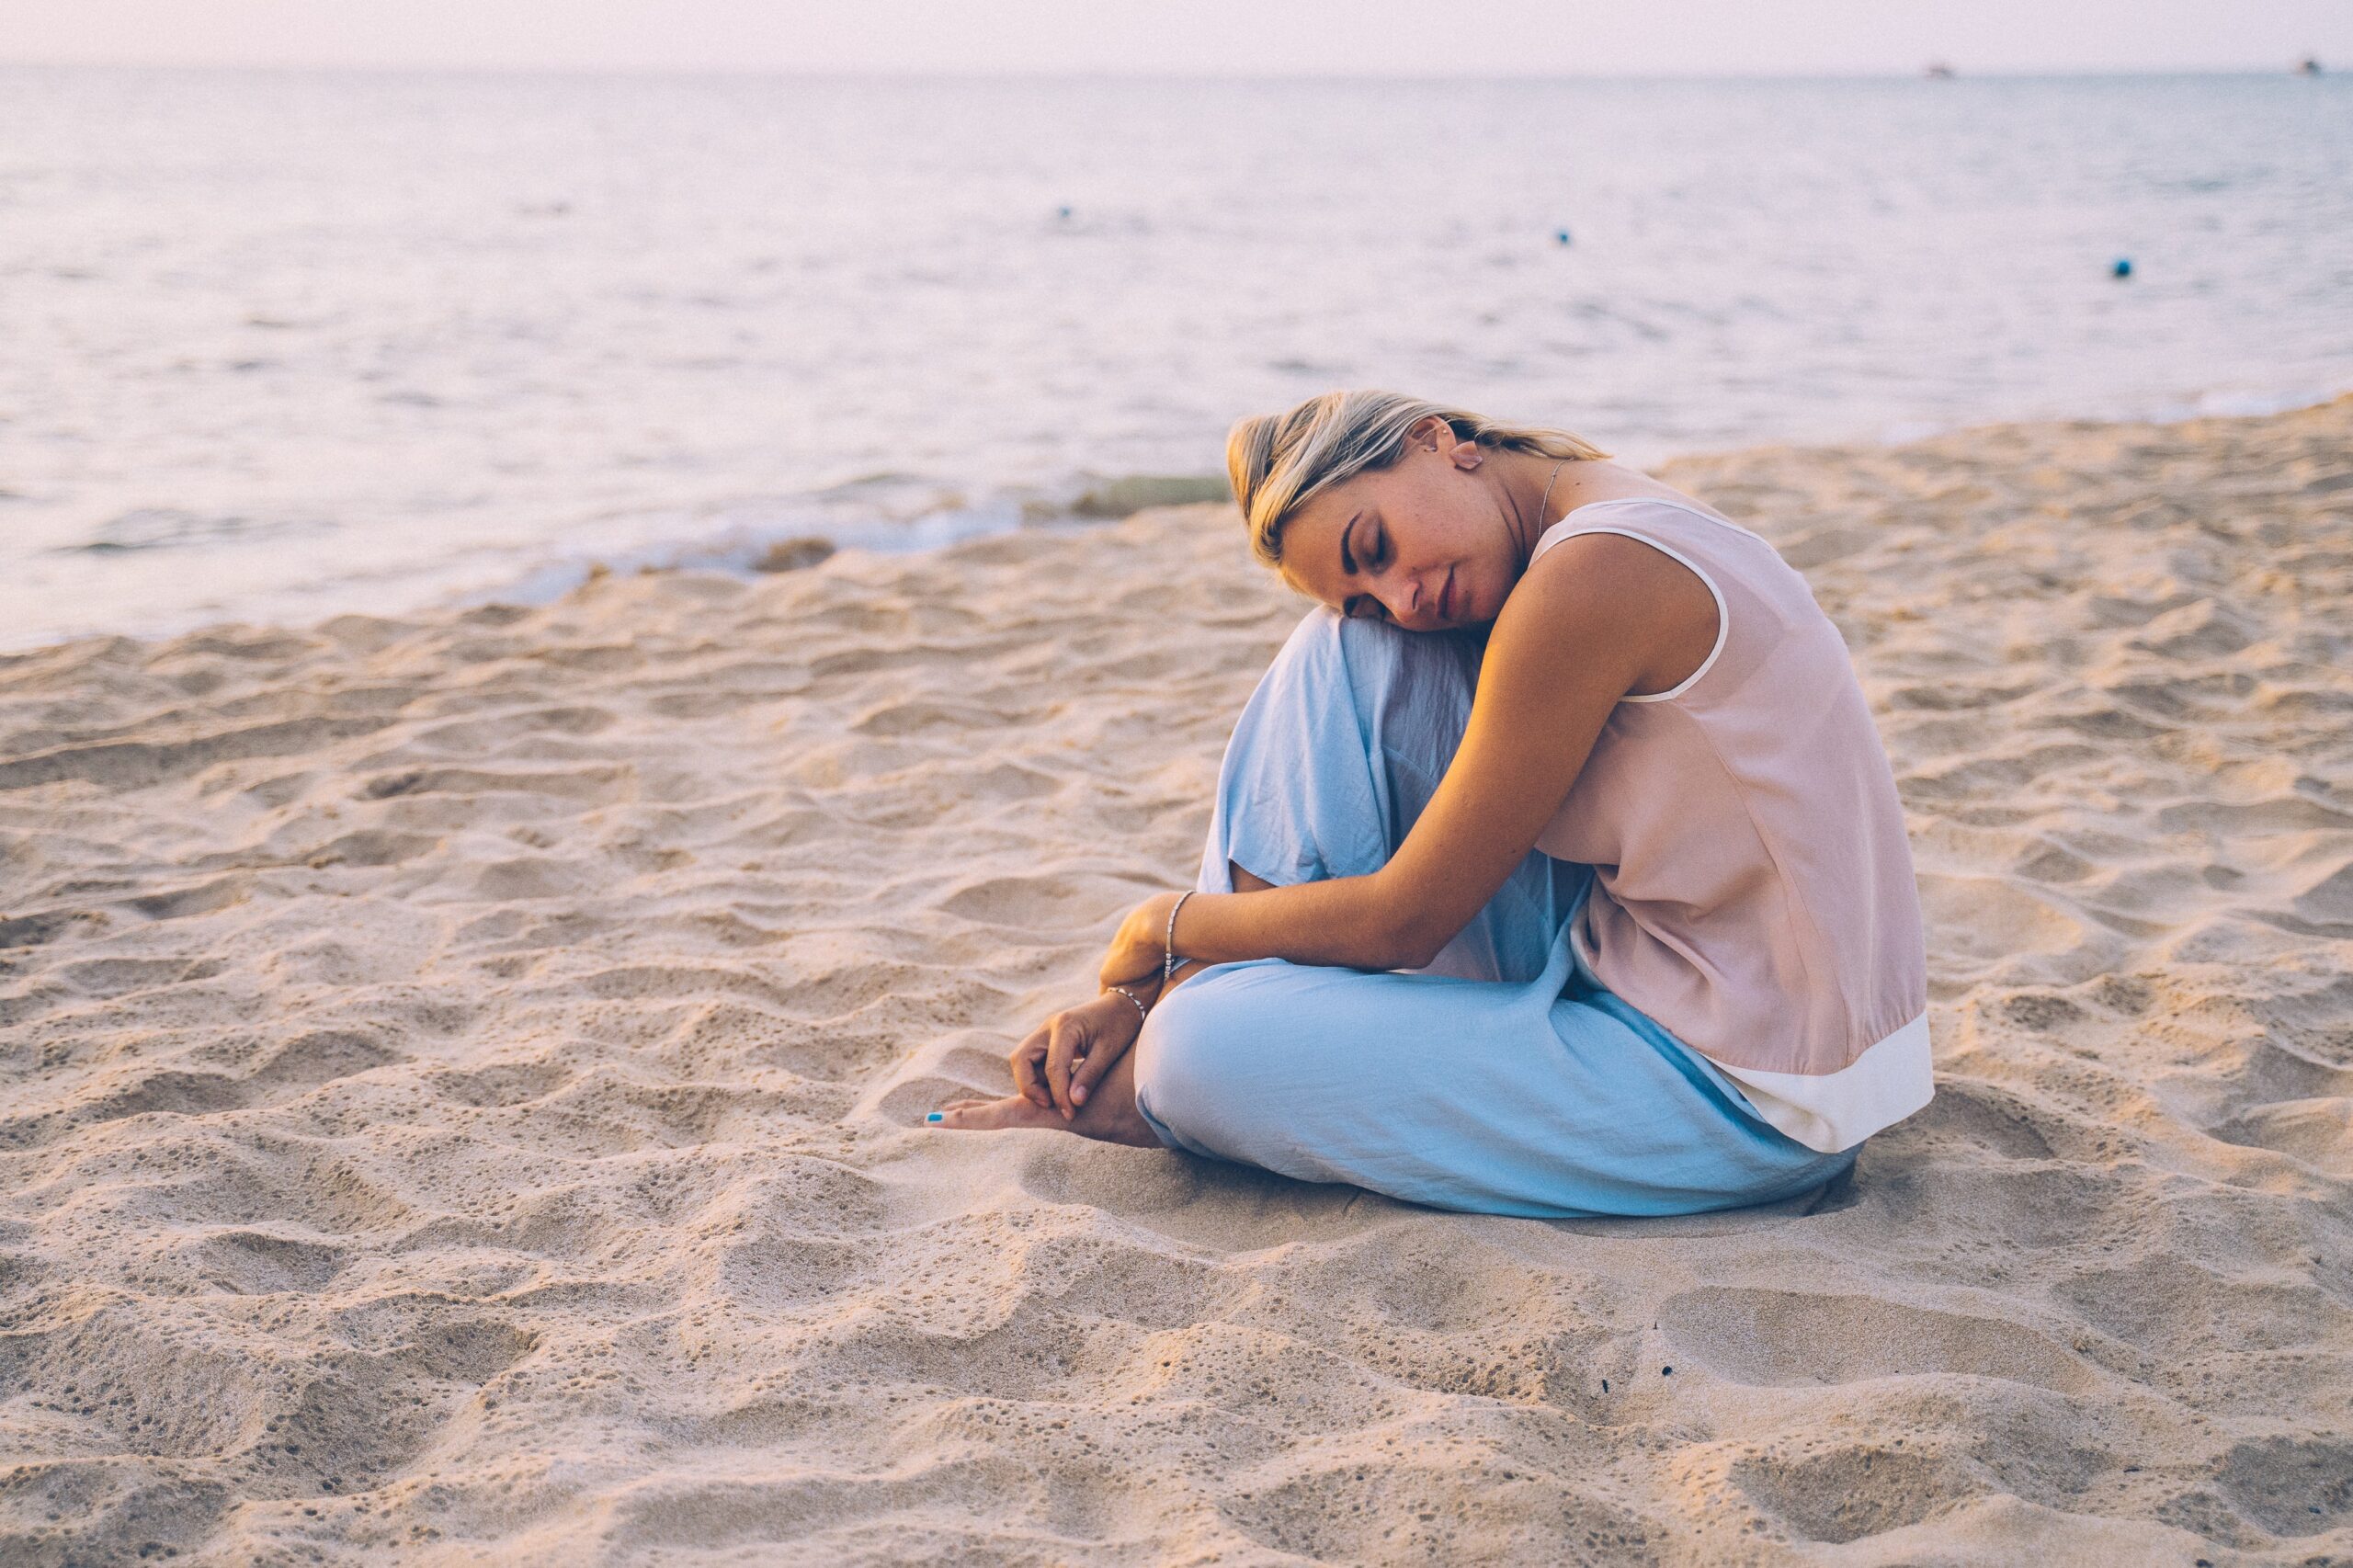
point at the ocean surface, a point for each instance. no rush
(276, 345)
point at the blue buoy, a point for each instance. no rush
(1561, 236)
(1063, 212)
(2123, 267)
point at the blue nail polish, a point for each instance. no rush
(934, 1116)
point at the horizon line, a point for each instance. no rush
(1922, 72)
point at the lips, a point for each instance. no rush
(1446, 598)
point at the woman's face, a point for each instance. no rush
(1422, 542)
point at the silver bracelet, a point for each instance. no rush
(1169, 942)
(1141, 1011)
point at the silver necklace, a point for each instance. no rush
(1546, 499)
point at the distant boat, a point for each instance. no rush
(1938, 71)
(2308, 66)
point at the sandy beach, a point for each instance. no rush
(463, 1078)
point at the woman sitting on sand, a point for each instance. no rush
(1555, 869)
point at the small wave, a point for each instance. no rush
(793, 554)
(171, 528)
(1132, 493)
(771, 535)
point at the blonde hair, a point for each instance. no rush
(1279, 461)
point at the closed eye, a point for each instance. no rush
(1375, 559)
(1362, 606)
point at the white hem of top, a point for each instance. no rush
(1835, 1111)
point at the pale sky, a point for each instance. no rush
(1468, 38)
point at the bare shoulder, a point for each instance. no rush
(1598, 584)
(1610, 607)
(1599, 479)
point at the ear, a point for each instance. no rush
(1432, 434)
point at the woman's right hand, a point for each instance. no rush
(1064, 1058)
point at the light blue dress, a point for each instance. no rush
(1501, 1080)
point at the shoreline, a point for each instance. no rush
(464, 1077)
(735, 548)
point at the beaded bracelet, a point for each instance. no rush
(1141, 1011)
(1169, 942)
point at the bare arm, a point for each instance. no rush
(1598, 617)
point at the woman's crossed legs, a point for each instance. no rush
(1497, 1081)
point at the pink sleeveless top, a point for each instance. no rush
(1754, 889)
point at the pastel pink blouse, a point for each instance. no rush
(1753, 891)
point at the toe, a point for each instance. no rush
(955, 1113)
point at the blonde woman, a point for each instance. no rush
(1555, 869)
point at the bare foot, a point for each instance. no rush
(989, 1116)
(1109, 1113)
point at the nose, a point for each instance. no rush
(1403, 595)
(1413, 596)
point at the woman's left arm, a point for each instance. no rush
(1598, 618)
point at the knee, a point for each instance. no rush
(1343, 652)
(1329, 653)
(1188, 1056)
(1313, 660)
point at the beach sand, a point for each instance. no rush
(463, 1080)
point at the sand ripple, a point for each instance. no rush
(461, 1074)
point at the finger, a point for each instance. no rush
(1025, 1058)
(1090, 1071)
(1061, 1045)
(1110, 1039)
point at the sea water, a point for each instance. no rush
(275, 346)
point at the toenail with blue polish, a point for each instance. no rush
(934, 1116)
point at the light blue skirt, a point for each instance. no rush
(1503, 1079)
